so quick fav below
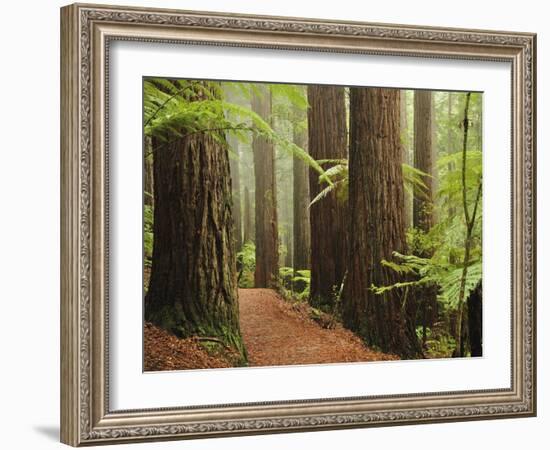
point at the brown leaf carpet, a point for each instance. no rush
(275, 333)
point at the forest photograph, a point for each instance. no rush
(292, 224)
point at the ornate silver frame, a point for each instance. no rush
(86, 31)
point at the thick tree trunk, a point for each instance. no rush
(327, 133)
(193, 288)
(377, 224)
(423, 202)
(236, 191)
(302, 240)
(248, 235)
(475, 322)
(267, 240)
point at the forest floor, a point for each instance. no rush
(278, 332)
(275, 331)
(164, 351)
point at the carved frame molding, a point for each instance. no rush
(86, 31)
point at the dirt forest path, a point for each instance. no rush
(277, 333)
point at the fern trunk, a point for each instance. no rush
(475, 322)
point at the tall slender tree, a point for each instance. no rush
(302, 236)
(248, 230)
(266, 223)
(404, 123)
(148, 173)
(377, 224)
(423, 160)
(327, 139)
(288, 245)
(193, 290)
(234, 163)
(423, 203)
(461, 327)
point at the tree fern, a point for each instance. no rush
(455, 242)
(169, 115)
(338, 174)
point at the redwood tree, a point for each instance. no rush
(148, 172)
(236, 188)
(423, 202)
(248, 231)
(301, 230)
(266, 236)
(193, 290)
(423, 159)
(327, 132)
(377, 224)
(404, 123)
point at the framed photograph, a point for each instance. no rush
(275, 224)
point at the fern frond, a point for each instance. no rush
(324, 192)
